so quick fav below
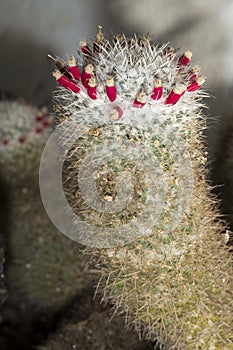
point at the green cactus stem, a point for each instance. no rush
(130, 126)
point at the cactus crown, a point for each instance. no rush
(139, 98)
(128, 71)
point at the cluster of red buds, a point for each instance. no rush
(85, 79)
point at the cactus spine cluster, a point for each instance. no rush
(130, 106)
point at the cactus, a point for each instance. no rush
(24, 131)
(44, 264)
(130, 129)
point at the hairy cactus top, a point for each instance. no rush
(129, 72)
(133, 158)
(140, 100)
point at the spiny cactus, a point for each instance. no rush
(130, 132)
(44, 265)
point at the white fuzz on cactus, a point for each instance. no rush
(130, 128)
(23, 133)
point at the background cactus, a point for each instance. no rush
(45, 265)
(24, 130)
(173, 279)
